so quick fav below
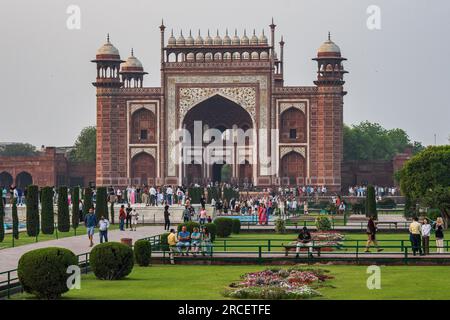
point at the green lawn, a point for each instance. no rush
(208, 282)
(25, 239)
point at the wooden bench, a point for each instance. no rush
(293, 247)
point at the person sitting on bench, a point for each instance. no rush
(184, 240)
(304, 240)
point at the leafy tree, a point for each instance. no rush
(101, 204)
(32, 214)
(15, 220)
(18, 150)
(63, 210)
(75, 207)
(371, 203)
(85, 147)
(47, 212)
(2, 221)
(425, 179)
(370, 141)
(87, 201)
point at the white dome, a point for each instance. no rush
(199, 39)
(132, 64)
(172, 41)
(254, 39)
(108, 49)
(244, 39)
(217, 39)
(226, 39)
(236, 40)
(208, 40)
(329, 48)
(190, 40)
(262, 38)
(180, 40)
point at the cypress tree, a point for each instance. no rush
(15, 220)
(63, 210)
(371, 203)
(47, 214)
(2, 221)
(75, 207)
(32, 214)
(87, 201)
(101, 203)
(112, 212)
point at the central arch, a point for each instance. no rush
(216, 112)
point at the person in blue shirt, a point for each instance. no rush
(184, 240)
(91, 222)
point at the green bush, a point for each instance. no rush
(213, 193)
(47, 214)
(195, 194)
(189, 226)
(2, 221)
(87, 201)
(371, 203)
(75, 207)
(63, 210)
(142, 252)
(212, 228)
(387, 203)
(101, 203)
(236, 228)
(323, 224)
(280, 226)
(43, 272)
(433, 214)
(229, 193)
(359, 208)
(224, 227)
(111, 260)
(32, 211)
(15, 220)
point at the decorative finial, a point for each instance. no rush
(217, 32)
(208, 33)
(282, 41)
(181, 32)
(190, 33)
(226, 31)
(199, 32)
(107, 38)
(245, 32)
(171, 32)
(329, 36)
(132, 52)
(254, 32)
(235, 32)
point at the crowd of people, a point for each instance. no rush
(185, 242)
(380, 191)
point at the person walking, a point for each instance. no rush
(103, 226)
(134, 219)
(415, 231)
(172, 241)
(372, 235)
(122, 217)
(202, 215)
(439, 234)
(186, 214)
(426, 231)
(91, 222)
(128, 216)
(166, 218)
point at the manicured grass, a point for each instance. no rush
(25, 239)
(208, 282)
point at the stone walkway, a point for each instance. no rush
(79, 244)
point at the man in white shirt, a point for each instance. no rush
(169, 193)
(152, 196)
(103, 226)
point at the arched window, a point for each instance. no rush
(143, 126)
(293, 126)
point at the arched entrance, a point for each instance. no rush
(293, 167)
(142, 169)
(6, 179)
(23, 180)
(217, 112)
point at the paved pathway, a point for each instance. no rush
(79, 244)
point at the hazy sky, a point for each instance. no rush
(399, 75)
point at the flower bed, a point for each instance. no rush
(274, 284)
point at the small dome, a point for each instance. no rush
(190, 40)
(226, 39)
(208, 39)
(262, 38)
(236, 40)
(329, 48)
(132, 64)
(199, 39)
(172, 41)
(108, 51)
(254, 39)
(244, 39)
(217, 39)
(180, 40)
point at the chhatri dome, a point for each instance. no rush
(329, 48)
(132, 64)
(107, 51)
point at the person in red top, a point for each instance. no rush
(122, 217)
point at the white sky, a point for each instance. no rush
(399, 75)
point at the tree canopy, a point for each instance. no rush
(425, 179)
(18, 150)
(85, 147)
(370, 141)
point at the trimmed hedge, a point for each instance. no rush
(236, 228)
(47, 214)
(224, 227)
(371, 203)
(101, 203)
(75, 207)
(142, 252)
(87, 201)
(214, 193)
(43, 272)
(212, 228)
(63, 210)
(2, 221)
(189, 226)
(229, 193)
(32, 211)
(111, 212)
(195, 194)
(111, 260)
(15, 220)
